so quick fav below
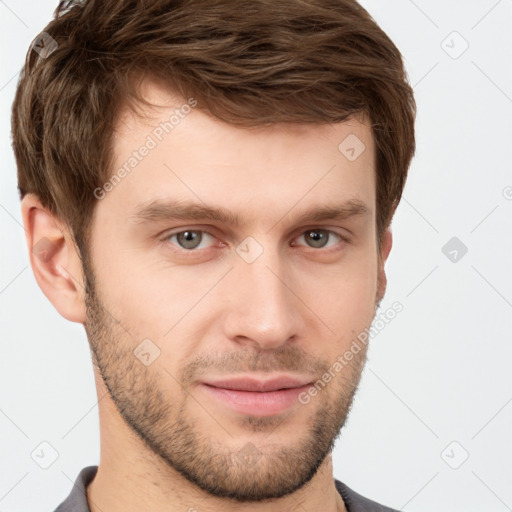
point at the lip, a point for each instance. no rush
(257, 397)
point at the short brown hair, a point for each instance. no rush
(247, 62)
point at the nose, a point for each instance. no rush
(263, 308)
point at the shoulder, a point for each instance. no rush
(77, 499)
(357, 503)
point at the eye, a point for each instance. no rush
(318, 237)
(189, 239)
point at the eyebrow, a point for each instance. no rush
(164, 210)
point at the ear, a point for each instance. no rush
(55, 262)
(387, 242)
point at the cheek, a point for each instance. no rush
(135, 299)
(164, 306)
(344, 295)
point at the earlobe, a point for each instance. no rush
(54, 260)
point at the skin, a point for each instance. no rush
(165, 444)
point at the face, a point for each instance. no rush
(178, 303)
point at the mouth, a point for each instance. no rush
(257, 397)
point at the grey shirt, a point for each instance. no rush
(77, 499)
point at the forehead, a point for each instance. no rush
(191, 155)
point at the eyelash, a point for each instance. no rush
(343, 239)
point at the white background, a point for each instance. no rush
(439, 372)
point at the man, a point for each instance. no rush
(208, 188)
